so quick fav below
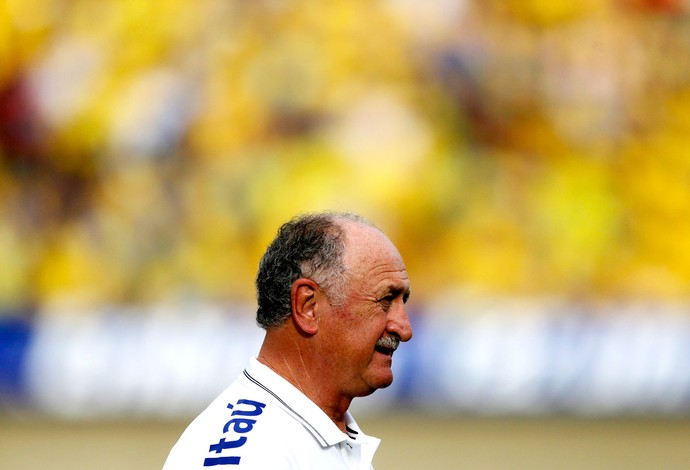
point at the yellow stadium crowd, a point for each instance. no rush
(149, 150)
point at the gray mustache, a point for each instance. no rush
(388, 342)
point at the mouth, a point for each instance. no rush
(387, 345)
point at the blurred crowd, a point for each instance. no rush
(149, 150)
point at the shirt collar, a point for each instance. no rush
(300, 406)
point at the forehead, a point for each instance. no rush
(372, 257)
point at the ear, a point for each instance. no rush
(304, 305)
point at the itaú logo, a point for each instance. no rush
(239, 426)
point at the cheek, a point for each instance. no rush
(364, 326)
(372, 330)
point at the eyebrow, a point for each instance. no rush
(395, 290)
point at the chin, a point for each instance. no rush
(381, 382)
(374, 384)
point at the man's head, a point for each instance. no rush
(342, 285)
(310, 246)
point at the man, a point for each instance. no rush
(331, 292)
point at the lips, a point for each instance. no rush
(387, 345)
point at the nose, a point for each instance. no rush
(399, 323)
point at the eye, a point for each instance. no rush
(386, 302)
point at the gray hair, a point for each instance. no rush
(311, 246)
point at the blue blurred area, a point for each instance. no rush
(16, 334)
(471, 359)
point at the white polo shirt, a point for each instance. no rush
(263, 422)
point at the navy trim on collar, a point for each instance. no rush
(306, 423)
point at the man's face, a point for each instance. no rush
(374, 308)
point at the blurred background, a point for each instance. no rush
(529, 158)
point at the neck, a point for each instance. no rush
(298, 365)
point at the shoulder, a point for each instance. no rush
(243, 427)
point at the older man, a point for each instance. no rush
(331, 294)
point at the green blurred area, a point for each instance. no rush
(408, 441)
(149, 150)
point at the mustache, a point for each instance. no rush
(388, 342)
